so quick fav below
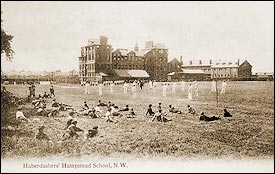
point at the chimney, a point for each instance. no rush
(200, 62)
(190, 62)
(103, 40)
(210, 61)
(238, 63)
(181, 59)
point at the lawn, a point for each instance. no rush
(249, 133)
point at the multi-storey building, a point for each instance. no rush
(156, 60)
(95, 59)
(203, 66)
(125, 59)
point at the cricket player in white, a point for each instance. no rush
(125, 87)
(223, 87)
(87, 88)
(100, 89)
(190, 90)
(111, 88)
(182, 85)
(150, 84)
(134, 88)
(164, 88)
(174, 88)
(196, 88)
(213, 88)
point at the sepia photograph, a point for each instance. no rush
(137, 86)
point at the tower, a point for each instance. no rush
(136, 47)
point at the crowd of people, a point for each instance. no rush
(110, 111)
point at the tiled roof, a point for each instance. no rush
(192, 71)
(142, 53)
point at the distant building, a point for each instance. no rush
(221, 69)
(174, 65)
(96, 58)
(187, 75)
(203, 66)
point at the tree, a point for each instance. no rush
(6, 40)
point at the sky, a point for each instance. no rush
(48, 35)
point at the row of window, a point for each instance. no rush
(224, 75)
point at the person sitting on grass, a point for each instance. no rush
(173, 110)
(92, 113)
(92, 132)
(125, 109)
(115, 111)
(20, 115)
(159, 106)
(191, 110)
(46, 95)
(41, 135)
(41, 111)
(55, 103)
(160, 116)
(131, 114)
(226, 113)
(108, 116)
(203, 117)
(150, 111)
(71, 131)
(85, 107)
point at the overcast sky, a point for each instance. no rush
(48, 35)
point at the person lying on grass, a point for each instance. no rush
(203, 117)
(150, 111)
(125, 109)
(100, 103)
(160, 116)
(173, 110)
(226, 113)
(71, 131)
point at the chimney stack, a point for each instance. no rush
(190, 62)
(238, 62)
(200, 62)
(181, 59)
(210, 61)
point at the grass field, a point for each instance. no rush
(249, 133)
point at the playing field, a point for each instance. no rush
(249, 133)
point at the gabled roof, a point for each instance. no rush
(170, 74)
(174, 60)
(142, 52)
(246, 62)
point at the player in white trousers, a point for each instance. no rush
(190, 90)
(125, 87)
(87, 88)
(174, 88)
(100, 89)
(164, 89)
(223, 87)
(111, 88)
(213, 88)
